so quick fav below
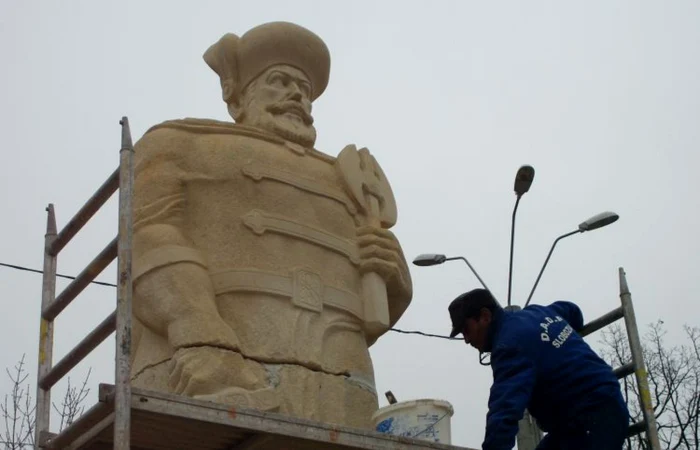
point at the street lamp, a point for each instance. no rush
(523, 181)
(595, 222)
(433, 259)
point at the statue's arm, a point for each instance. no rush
(381, 253)
(173, 293)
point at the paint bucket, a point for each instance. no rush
(425, 419)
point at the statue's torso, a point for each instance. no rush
(278, 232)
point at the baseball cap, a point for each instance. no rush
(468, 305)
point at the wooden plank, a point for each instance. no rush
(270, 423)
(169, 422)
(92, 433)
(81, 426)
(254, 442)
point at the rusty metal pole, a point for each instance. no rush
(48, 293)
(640, 371)
(529, 434)
(122, 405)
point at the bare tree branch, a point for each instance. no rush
(674, 380)
(18, 408)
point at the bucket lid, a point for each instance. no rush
(437, 403)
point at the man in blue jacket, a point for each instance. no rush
(541, 363)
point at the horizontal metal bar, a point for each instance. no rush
(602, 321)
(105, 258)
(639, 427)
(80, 426)
(623, 371)
(73, 358)
(88, 210)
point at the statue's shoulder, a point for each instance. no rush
(182, 138)
(194, 127)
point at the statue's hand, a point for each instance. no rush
(204, 370)
(381, 253)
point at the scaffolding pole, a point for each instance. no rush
(640, 371)
(119, 321)
(122, 420)
(48, 294)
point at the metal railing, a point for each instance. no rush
(120, 320)
(636, 366)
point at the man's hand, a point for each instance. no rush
(381, 253)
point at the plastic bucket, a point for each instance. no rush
(425, 419)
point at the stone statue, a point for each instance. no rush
(263, 268)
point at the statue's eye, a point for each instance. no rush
(278, 79)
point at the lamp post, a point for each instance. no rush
(433, 259)
(523, 181)
(593, 223)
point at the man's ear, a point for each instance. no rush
(486, 315)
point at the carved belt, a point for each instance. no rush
(304, 287)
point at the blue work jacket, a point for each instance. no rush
(541, 363)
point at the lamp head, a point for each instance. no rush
(523, 179)
(598, 221)
(429, 259)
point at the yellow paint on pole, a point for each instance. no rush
(43, 336)
(644, 388)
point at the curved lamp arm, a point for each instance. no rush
(547, 260)
(471, 268)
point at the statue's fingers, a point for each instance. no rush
(369, 240)
(176, 376)
(376, 251)
(384, 268)
(183, 381)
(196, 384)
(379, 231)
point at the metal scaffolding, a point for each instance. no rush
(120, 320)
(636, 366)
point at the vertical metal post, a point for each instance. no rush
(122, 419)
(640, 370)
(529, 434)
(48, 293)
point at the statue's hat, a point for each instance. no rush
(239, 60)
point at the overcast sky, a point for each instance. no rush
(601, 97)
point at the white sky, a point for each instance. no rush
(600, 97)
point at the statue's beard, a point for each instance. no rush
(287, 120)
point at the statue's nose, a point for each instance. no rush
(295, 94)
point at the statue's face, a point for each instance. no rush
(279, 101)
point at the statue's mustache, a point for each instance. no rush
(293, 107)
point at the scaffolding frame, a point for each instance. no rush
(636, 366)
(122, 179)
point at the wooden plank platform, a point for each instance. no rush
(163, 421)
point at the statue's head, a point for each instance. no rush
(270, 76)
